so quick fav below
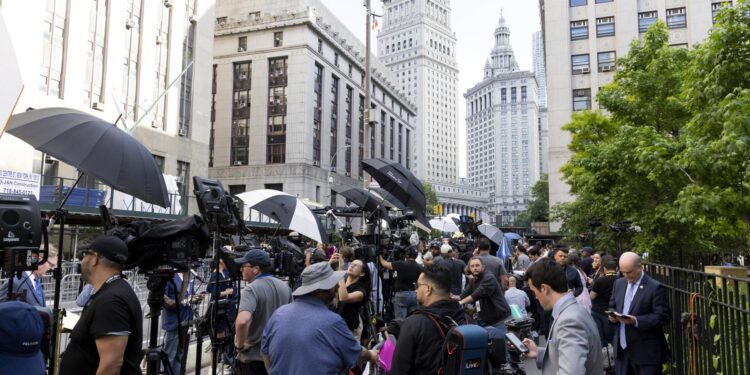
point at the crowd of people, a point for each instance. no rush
(582, 302)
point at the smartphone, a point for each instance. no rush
(613, 313)
(517, 343)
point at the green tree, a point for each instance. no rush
(622, 166)
(538, 208)
(717, 153)
(430, 196)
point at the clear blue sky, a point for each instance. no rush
(474, 23)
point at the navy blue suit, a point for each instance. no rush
(646, 346)
(21, 285)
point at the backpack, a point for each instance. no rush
(464, 347)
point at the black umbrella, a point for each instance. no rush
(94, 146)
(384, 195)
(398, 181)
(286, 209)
(361, 197)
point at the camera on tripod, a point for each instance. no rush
(21, 233)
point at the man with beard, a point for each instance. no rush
(305, 337)
(107, 338)
(420, 341)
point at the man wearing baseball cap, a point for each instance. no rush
(108, 337)
(21, 331)
(260, 298)
(304, 337)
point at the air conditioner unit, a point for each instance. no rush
(99, 106)
(168, 3)
(182, 132)
(159, 39)
(240, 49)
(153, 124)
(237, 162)
(193, 18)
(316, 163)
(129, 23)
(585, 70)
(606, 68)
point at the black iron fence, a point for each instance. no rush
(709, 331)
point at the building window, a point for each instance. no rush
(604, 1)
(254, 16)
(606, 61)
(183, 184)
(320, 46)
(185, 119)
(581, 99)
(717, 7)
(278, 39)
(523, 95)
(512, 95)
(605, 26)
(580, 64)
(317, 113)
(382, 134)
(348, 129)
(161, 53)
(159, 162)
(577, 3)
(132, 58)
(503, 96)
(646, 19)
(408, 148)
(276, 132)
(240, 113)
(242, 44)
(579, 30)
(236, 189)
(336, 59)
(334, 121)
(392, 138)
(676, 18)
(277, 187)
(95, 59)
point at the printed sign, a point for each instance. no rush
(19, 183)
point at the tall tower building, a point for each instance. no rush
(583, 38)
(502, 132)
(538, 61)
(418, 46)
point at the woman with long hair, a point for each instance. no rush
(353, 294)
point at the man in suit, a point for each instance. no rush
(28, 287)
(573, 346)
(640, 346)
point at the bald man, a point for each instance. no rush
(640, 346)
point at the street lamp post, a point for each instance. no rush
(366, 137)
(331, 168)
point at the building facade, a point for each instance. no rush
(146, 61)
(583, 39)
(464, 199)
(537, 58)
(502, 121)
(417, 44)
(288, 101)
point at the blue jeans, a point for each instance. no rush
(404, 303)
(606, 329)
(176, 351)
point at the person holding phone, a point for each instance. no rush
(640, 308)
(573, 347)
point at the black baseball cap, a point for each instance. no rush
(110, 247)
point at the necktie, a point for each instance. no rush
(39, 290)
(629, 294)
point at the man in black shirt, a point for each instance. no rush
(407, 273)
(108, 337)
(456, 266)
(601, 292)
(419, 348)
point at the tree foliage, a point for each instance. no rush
(538, 208)
(430, 197)
(669, 153)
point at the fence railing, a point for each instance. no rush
(709, 331)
